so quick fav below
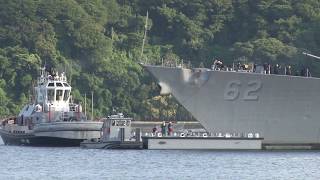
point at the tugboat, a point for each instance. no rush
(52, 119)
(115, 134)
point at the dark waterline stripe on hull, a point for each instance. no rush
(40, 141)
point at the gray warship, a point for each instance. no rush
(284, 109)
(51, 119)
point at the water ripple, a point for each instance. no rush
(19, 162)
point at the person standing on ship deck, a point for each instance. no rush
(163, 128)
(170, 129)
(154, 130)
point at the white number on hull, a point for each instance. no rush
(232, 90)
(251, 89)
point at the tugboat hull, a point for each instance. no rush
(31, 140)
(52, 119)
(53, 134)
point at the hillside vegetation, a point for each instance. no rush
(98, 44)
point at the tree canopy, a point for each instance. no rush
(98, 43)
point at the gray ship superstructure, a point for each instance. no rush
(283, 109)
(52, 119)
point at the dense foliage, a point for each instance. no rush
(98, 43)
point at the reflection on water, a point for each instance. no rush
(18, 162)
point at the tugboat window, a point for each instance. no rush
(59, 95)
(66, 95)
(50, 95)
(59, 84)
(66, 85)
(51, 84)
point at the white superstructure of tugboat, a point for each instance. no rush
(52, 119)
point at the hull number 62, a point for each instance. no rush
(245, 91)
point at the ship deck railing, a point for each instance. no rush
(232, 69)
(204, 135)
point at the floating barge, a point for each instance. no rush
(202, 143)
(116, 133)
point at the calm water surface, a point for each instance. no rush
(75, 163)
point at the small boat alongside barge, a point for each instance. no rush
(116, 133)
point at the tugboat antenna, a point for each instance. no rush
(85, 104)
(144, 36)
(91, 105)
(70, 74)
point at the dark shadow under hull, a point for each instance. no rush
(112, 145)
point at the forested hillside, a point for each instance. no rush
(98, 44)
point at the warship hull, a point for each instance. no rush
(282, 109)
